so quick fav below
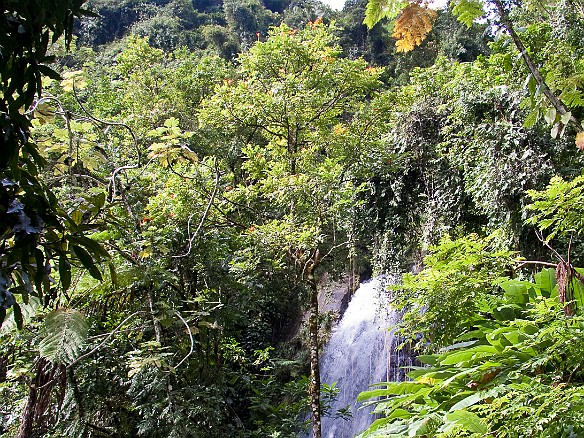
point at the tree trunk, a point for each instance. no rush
(35, 416)
(3, 368)
(314, 388)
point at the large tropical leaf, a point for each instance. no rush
(65, 333)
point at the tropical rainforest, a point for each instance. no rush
(181, 178)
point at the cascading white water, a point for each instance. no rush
(360, 352)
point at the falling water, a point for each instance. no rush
(360, 352)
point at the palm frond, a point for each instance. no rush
(65, 333)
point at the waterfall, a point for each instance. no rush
(361, 351)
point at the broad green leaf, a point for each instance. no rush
(515, 291)
(505, 313)
(467, 10)
(550, 116)
(77, 217)
(429, 359)
(65, 272)
(399, 413)
(424, 426)
(391, 389)
(99, 200)
(91, 245)
(546, 280)
(471, 353)
(65, 332)
(87, 262)
(379, 9)
(532, 118)
(515, 337)
(464, 420)
(565, 118)
(457, 346)
(471, 400)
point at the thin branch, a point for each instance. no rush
(116, 171)
(570, 248)
(534, 262)
(205, 213)
(190, 339)
(335, 247)
(546, 243)
(533, 69)
(102, 343)
(108, 123)
(119, 331)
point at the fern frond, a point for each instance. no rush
(468, 11)
(65, 332)
(532, 118)
(412, 26)
(572, 98)
(378, 9)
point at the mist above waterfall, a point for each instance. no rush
(360, 352)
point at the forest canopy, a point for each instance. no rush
(182, 181)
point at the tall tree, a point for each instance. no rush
(34, 230)
(298, 100)
(414, 20)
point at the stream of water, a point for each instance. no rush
(361, 351)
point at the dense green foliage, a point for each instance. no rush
(500, 344)
(177, 185)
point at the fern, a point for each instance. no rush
(572, 97)
(467, 10)
(65, 333)
(412, 26)
(532, 118)
(379, 9)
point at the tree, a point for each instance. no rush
(414, 21)
(297, 101)
(171, 243)
(37, 234)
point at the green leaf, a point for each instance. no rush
(379, 9)
(65, 272)
(546, 280)
(391, 389)
(49, 72)
(423, 427)
(550, 115)
(565, 118)
(532, 118)
(471, 353)
(399, 413)
(113, 274)
(467, 10)
(471, 400)
(77, 217)
(17, 311)
(99, 200)
(515, 291)
(429, 359)
(90, 245)
(65, 332)
(467, 421)
(87, 262)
